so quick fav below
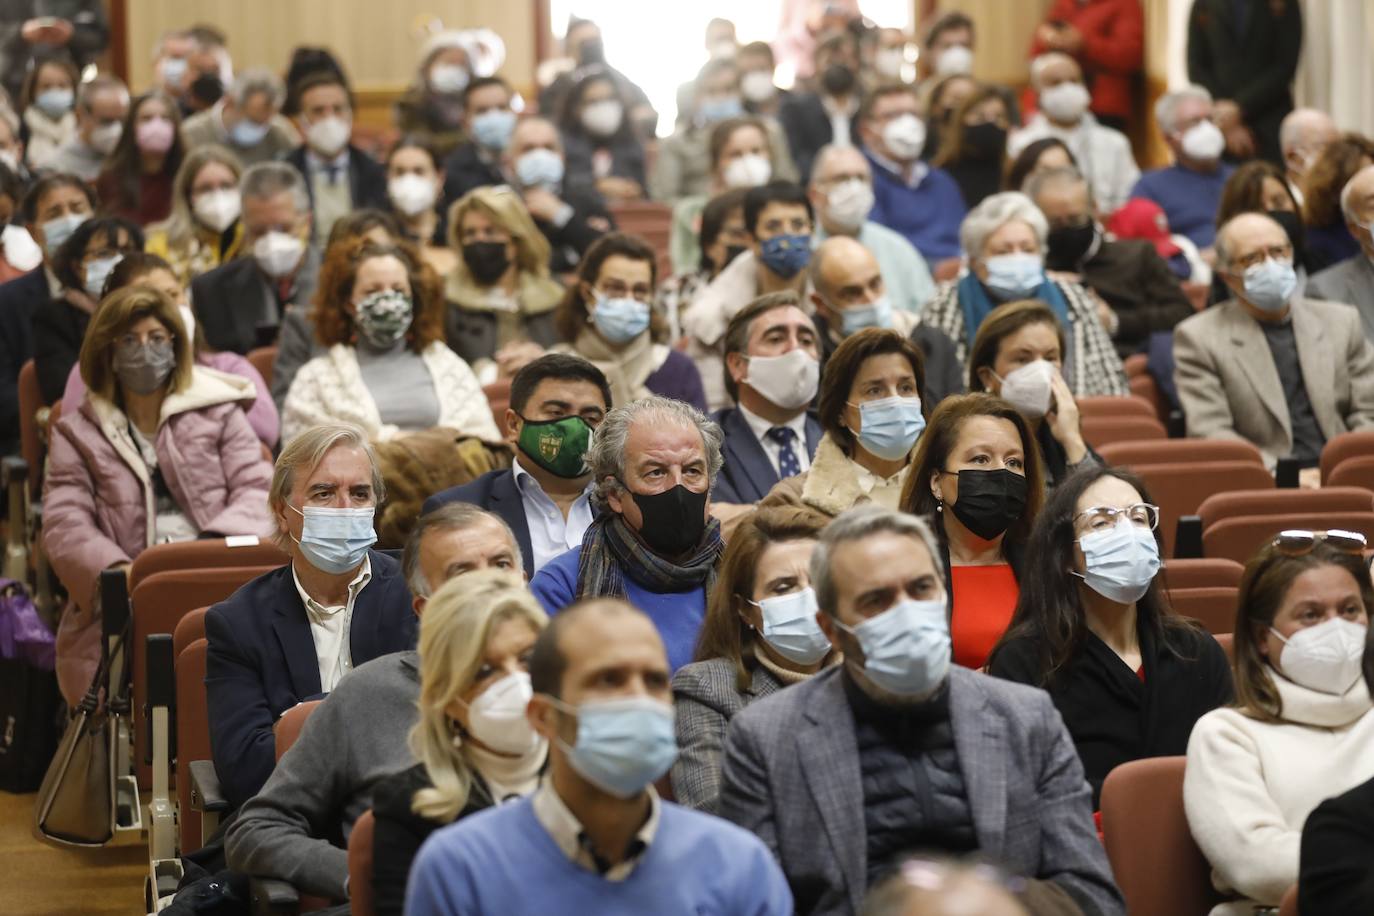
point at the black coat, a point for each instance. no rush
(20, 298)
(465, 170)
(496, 492)
(590, 220)
(366, 178)
(944, 372)
(1335, 877)
(1113, 716)
(807, 125)
(239, 307)
(58, 330)
(1137, 283)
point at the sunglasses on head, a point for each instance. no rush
(1296, 542)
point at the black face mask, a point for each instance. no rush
(486, 260)
(989, 501)
(837, 80)
(1297, 233)
(1068, 245)
(986, 141)
(592, 52)
(674, 520)
(708, 264)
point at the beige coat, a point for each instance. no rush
(830, 486)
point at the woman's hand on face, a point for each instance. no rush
(1064, 419)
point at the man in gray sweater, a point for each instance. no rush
(296, 828)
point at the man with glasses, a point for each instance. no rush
(1280, 371)
(1138, 294)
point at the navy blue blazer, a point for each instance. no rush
(748, 474)
(20, 298)
(496, 492)
(366, 179)
(261, 661)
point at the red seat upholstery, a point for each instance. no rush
(498, 396)
(651, 221)
(1288, 906)
(1353, 472)
(190, 627)
(31, 444)
(1281, 502)
(288, 727)
(1180, 488)
(193, 737)
(1111, 406)
(1228, 645)
(207, 554)
(1215, 607)
(360, 865)
(1172, 451)
(1240, 537)
(1202, 573)
(263, 359)
(1343, 446)
(1145, 387)
(1099, 431)
(1137, 364)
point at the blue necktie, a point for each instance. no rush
(784, 436)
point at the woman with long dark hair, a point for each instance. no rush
(1093, 627)
(138, 178)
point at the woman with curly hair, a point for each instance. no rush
(1328, 239)
(379, 313)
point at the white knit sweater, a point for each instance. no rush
(1250, 785)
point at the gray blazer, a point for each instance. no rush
(791, 776)
(1351, 281)
(705, 699)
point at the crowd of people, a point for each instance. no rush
(795, 586)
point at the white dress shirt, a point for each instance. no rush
(886, 493)
(570, 836)
(1104, 156)
(760, 427)
(550, 533)
(331, 627)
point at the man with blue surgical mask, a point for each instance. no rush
(247, 119)
(1269, 366)
(607, 842)
(488, 122)
(946, 760)
(291, 634)
(101, 106)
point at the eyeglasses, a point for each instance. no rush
(1296, 542)
(131, 343)
(1275, 252)
(1101, 518)
(614, 289)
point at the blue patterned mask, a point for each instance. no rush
(786, 255)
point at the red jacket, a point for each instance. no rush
(1113, 49)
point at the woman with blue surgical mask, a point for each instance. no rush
(979, 475)
(1094, 628)
(608, 318)
(872, 409)
(48, 101)
(1004, 240)
(759, 636)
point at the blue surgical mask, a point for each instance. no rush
(623, 744)
(713, 111)
(98, 271)
(55, 102)
(492, 129)
(1016, 275)
(539, 168)
(890, 427)
(876, 314)
(790, 627)
(786, 255)
(620, 320)
(336, 540)
(906, 647)
(247, 132)
(59, 229)
(1269, 285)
(1120, 562)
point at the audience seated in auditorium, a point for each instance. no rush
(898, 751)
(587, 51)
(1005, 240)
(1189, 191)
(291, 634)
(135, 182)
(830, 113)
(721, 237)
(652, 540)
(82, 266)
(1018, 356)
(1318, 378)
(160, 451)
(943, 95)
(841, 194)
(101, 106)
(246, 120)
(413, 180)
(772, 368)
(979, 474)
(1093, 626)
(1103, 153)
(607, 318)
(925, 887)
(339, 177)
(149, 270)
(204, 229)
(1107, 39)
(1301, 729)
(973, 145)
(433, 109)
(1139, 295)
(761, 94)
(600, 665)
(46, 103)
(556, 404)
(1044, 155)
(918, 201)
(760, 635)
(602, 151)
(1303, 134)
(1352, 280)
(487, 119)
(290, 830)
(1330, 240)
(501, 301)
(19, 253)
(872, 409)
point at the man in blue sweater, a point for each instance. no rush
(1189, 191)
(920, 202)
(595, 837)
(653, 541)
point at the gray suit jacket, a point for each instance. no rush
(705, 699)
(1352, 282)
(791, 775)
(1230, 388)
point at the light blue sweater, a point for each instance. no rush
(502, 862)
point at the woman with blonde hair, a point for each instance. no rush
(501, 299)
(474, 746)
(203, 230)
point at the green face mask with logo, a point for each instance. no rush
(557, 446)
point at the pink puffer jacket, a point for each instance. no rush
(98, 502)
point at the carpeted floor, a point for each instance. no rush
(41, 880)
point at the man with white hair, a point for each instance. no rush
(1352, 280)
(1268, 367)
(1303, 134)
(101, 106)
(1104, 155)
(247, 120)
(1189, 191)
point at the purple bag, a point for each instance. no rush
(23, 634)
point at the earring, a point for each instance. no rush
(456, 730)
(939, 504)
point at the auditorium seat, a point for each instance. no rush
(288, 727)
(1353, 472)
(650, 220)
(31, 425)
(211, 553)
(1279, 502)
(1343, 446)
(1240, 537)
(1115, 406)
(1172, 451)
(1288, 906)
(1228, 645)
(360, 852)
(192, 742)
(1202, 573)
(1101, 430)
(1179, 488)
(498, 396)
(263, 359)
(1214, 607)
